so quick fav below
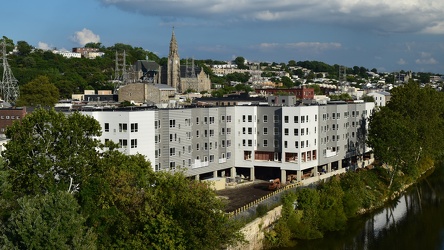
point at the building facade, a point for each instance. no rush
(254, 141)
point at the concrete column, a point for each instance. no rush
(283, 176)
(215, 174)
(329, 167)
(252, 174)
(197, 177)
(233, 172)
(339, 164)
(299, 174)
(315, 171)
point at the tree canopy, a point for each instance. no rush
(60, 186)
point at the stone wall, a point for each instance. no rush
(254, 231)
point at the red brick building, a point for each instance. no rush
(10, 115)
(300, 93)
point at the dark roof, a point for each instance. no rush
(146, 66)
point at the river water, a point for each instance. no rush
(414, 221)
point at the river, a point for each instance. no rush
(414, 221)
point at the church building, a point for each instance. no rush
(184, 77)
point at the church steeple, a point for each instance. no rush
(173, 63)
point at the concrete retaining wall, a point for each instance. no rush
(254, 231)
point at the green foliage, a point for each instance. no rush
(49, 151)
(341, 97)
(408, 130)
(368, 98)
(261, 210)
(50, 221)
(38, 92)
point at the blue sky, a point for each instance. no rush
(386, 35)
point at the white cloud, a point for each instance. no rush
(306, 46)
(85, 36)
(401, 62)
(426, 58)
(44, 46)
(373, 15)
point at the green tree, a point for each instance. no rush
(408, 130)
(240, 62)
(287, 82)
(50, 221)
(23, 48)
(50, 151)
(38, 92)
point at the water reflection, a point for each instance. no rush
(413, 221)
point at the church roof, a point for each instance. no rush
(146, 66)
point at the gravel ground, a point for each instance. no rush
(241, 196)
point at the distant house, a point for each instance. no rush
(10, 115)
(381, 98)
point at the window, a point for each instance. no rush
(296, 144)
(205, 146)
(222, 132)
(250, 130)
(302, 131)
(211, 132)
(228, 118)
(285, 144)
(250, 143)
(133, 143)
(250, 118)
(276, 119)
(276, 131)
(123, 143)
(211, 158)
(316, 118)
(243, 130)
(134, 127)
(286, 119)
(211, 119)
(228, 155)
(265, 143)
(276, 143)
(172, 165)
(228, 143)
(106, 127)
(205, 120)
(286, 131)
(296, 119)
(296, 132)
(123, 127)
(197, 133)
(197, 147)
(265, 131)
(265, 118)
(302, 144)
(243, 118)
(302, 119)
(228, 131)
(172, 123)
(172, 151)
(197, 120)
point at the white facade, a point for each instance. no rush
(221, 141)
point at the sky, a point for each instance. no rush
(387, 35)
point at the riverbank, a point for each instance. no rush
(310, 213)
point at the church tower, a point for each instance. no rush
(173, 74)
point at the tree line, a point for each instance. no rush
(61, 188)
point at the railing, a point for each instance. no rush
(258, 201)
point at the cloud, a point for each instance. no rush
(401, 62)
(85, 36)
(426, 58)
(380, 16)
(305, 46)
(44, 46)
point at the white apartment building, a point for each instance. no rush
(262, 141)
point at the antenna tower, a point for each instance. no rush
(190, 71)
(121, 71)
(9, 86)
(342, 76)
